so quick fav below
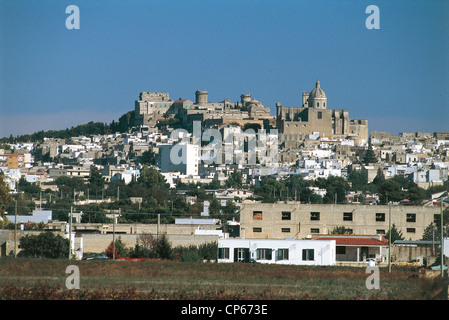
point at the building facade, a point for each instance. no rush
(297, 220)
(298, 252)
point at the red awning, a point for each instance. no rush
(363, 242)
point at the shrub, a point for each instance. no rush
(46, 244)
(163, 248)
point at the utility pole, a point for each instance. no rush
(389, 233)
(70, 232)
(15, 233)
(442, 240)
(113, 237)
(158, 223)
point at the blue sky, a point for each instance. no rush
(53, 78)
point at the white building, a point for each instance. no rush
(181, 157)
(38, 216)
(278, 251)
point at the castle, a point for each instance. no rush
(294, 124)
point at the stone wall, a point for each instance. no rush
(97, 243)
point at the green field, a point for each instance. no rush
(39, 279)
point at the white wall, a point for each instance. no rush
(324, 251)
(188, 157)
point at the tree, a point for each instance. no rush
(28, 187)
(25, 204)
(234, 180)
(340, 230)
(152, 179)
(120, 249)
(231, 210)
(148, 157)
(370, 156)
(379, 178)
(416, 194)
(163, 248)
(140, 251)
(5, 195)
(214, 207)
(4, 222)
(358, 179)
(67, 185)
(96, 179)
(433, 230)
(335, 186)
(396, 234)
(390, 190)
(361, 198)
(270, 189)
(46, 244)
(94, 214)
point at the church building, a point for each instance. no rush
(314, 117)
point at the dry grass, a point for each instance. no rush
(42, 279)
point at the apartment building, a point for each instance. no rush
(15, 160)
(297, 220)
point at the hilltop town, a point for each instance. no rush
(310, 168)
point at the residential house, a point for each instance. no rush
(277, 251)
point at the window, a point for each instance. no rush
(411, 230)
(315, 216)
(285, 230)
(308, 254)
(380, 217)
(264, 254)
(241, 255)
(320, 114)
(411, 217)
(347, 216)
(282, 254)
(437, 219)
(257, 215)
(257, 229)
(380, 231)
(223, 253)
(286, 215)
(340, 250)
(314, 230)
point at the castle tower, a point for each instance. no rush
(245, 98)
(201, 97)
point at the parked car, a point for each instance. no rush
(95, 256)
(438, 267)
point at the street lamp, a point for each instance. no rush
(442, 235)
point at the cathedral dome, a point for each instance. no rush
(317, 93)
(317, 98)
